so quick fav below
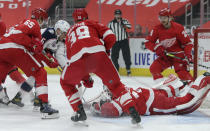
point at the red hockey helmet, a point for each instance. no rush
(165, 12)
(80, 14)
(39, 13)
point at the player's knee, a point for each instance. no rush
(154, 69)
(41, 77)
(184, 75)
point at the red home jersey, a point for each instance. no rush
(2, 28)
(173, 39)
(84, 37)
(23, 33)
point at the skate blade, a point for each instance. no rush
(36, 109)
(3, 103)
(17, 104)
(52, 116)
(81, 123)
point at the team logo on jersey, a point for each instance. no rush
(168, 42)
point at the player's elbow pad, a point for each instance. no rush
(109, 41)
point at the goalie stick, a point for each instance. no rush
(183, 59)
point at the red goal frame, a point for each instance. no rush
(195, 65)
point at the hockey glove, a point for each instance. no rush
(187, 51)
(37, 46)
(160, 51)
(51, 61)
(189, 58)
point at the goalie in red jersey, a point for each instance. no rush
(87, 54)
(174, 40)
(173, 97)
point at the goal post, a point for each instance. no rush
(201, 51)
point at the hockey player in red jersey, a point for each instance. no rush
(16, 49)
(174, 40)
(2, 27)
(170, 98)
(87, 54)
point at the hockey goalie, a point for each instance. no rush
(173, 97)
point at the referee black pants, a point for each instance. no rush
(124, 45)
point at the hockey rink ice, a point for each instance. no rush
(13, 118)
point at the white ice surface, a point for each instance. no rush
(24, 119)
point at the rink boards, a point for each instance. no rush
(141, 59)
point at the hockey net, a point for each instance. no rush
(202, 56)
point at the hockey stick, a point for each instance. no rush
(183, 59)
(52, 60)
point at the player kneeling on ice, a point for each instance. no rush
(87, 54)
(18, 48)
(173, 97)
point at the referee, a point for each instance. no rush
(119, 27)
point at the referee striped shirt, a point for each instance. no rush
(119, 28)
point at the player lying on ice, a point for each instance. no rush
(171, 98)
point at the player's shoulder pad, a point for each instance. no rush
(177, 25)
(49, 33)
(157, 27)
(93, 22)
(32, 20)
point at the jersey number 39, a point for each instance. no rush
(80, 33)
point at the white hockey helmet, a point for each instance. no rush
(62, 25)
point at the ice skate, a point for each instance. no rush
(47, 112)
(80, 117)
(37, 104)
(206, 74)
(80, 114)
(136, 119)
(128, 73)
(17, 100)
(4, 99)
